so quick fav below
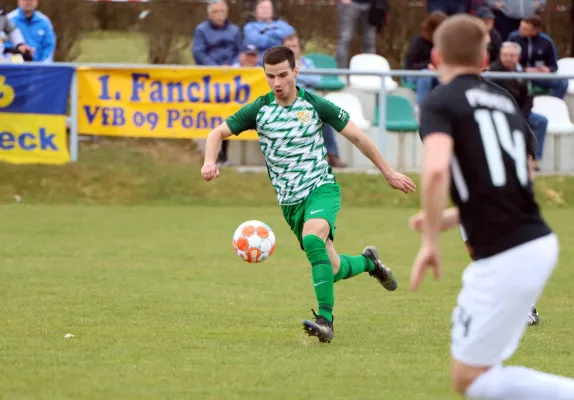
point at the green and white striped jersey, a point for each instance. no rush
(291, 139)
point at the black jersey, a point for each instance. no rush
(489, 167)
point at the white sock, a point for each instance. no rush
(520, 383)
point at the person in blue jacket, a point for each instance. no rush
(266, 31)
(216, 41)
(538, 54)
(37, 30)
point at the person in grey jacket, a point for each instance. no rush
(15, 36)
(509, 13)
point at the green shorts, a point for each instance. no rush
(323, 202)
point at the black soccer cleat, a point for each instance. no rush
(321, 328)
(533, 318)
(383, 274)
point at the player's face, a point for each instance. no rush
(281, 79)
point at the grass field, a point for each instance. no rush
(161, 308)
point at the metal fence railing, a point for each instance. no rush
(382, 93)
(382, 90)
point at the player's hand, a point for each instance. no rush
(428, 257)
(209, 172)
(416, 221)
(401, 182)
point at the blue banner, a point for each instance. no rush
(33, 105)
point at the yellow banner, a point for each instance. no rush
(164, 103)
(33, 139)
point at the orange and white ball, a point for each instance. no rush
(254, 241)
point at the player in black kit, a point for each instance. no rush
(474, 143)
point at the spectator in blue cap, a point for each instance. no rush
(249, 56)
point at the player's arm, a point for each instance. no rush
(435, 181)
(339, 119)
(213, 143)
(436, 132)
(360, 140)
(450, 218)
(242, 120)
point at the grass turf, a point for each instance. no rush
(161, 308)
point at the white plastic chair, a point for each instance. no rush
(566, 66)
(350, 103)
(559, 122)
(370, 62)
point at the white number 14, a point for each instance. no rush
(494, 128)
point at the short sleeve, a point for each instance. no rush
(434, 119)
(245, 119)
(329, 112)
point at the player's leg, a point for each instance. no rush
(488, 323)
(315, 233)
(346, 266)
(533, 317)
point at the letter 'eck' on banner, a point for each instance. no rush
(164, 103)
(33, 103)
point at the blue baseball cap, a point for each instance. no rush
(249, 48)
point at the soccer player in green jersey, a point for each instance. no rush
(289, 123)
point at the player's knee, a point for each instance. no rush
(311, 242)
(318, 227)
(463, 376)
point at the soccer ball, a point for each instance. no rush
(254, 241)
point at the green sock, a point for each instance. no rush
(353, 266)
(322, 272)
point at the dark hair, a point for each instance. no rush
(534, 20)
(277, 54)
(431, 23)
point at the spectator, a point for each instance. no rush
(418, 55)
(351, 14)
(519, 89)
(37, 31)
(248, 58)
(539, 54)
(308, 82)
(266, 31)
(449, 7)
(486, 14)
(9, 33)
(474, 5)
(216, 41)
(248, 13)
(509, 13)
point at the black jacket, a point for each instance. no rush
(520, 90)
(378, 13)
(418, 53)
(494, 45)
(536, 50)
